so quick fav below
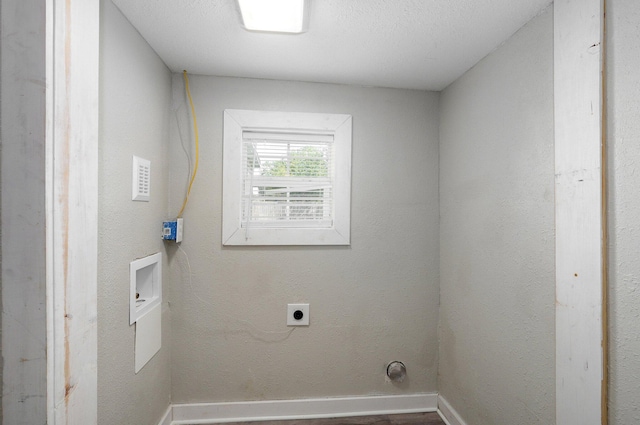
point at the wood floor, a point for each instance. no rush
(404, 419)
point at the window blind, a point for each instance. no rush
(288, 180)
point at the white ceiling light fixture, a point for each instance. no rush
(285, 16)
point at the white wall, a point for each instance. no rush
(497, 234)
(623, 110)
(135, 97)
(22, 136)
(372, 302)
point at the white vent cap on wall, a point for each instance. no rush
(141, 179)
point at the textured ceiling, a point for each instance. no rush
(417, 44)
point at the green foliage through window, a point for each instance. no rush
(301, 182)
(308, 161)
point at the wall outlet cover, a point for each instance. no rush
(297, 314)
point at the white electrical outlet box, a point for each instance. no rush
(297, 314)
(141, 180)
(172, 230)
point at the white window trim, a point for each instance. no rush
(235, 122)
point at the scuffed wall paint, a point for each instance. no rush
(135, 96)
(497, 342)
(22, 136)
(623, 138)
(370, 303)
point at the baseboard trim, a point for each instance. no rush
(167, 419)
(212, 413)
(448, 413)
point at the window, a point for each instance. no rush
(287, 178)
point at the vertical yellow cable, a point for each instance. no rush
(195, 130)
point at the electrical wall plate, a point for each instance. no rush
(297, 314)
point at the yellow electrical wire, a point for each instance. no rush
(195, 130)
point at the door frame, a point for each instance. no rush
(72, 103)
(72, 99)
(580, 204)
